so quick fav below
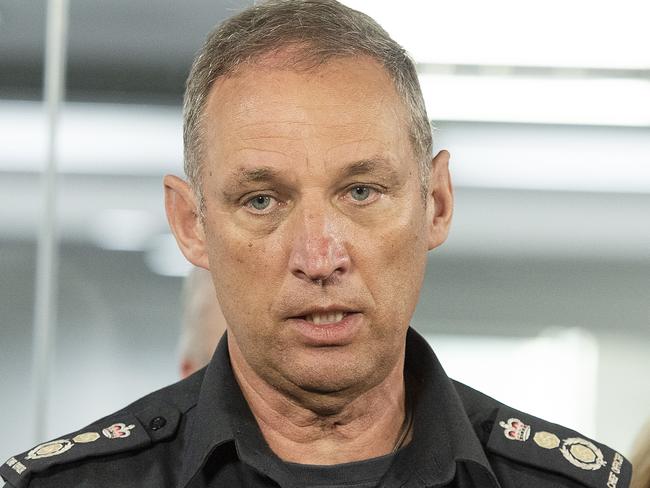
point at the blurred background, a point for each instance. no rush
(541, 296)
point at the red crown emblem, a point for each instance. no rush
(515, 430)
(118, 431)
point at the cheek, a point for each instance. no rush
(395, 267)
(244, 273)
(403, 241)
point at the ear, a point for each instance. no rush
(440, 200)
(183, 216)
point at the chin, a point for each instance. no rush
(337, 376)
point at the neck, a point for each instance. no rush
(365, 426)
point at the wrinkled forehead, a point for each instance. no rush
(347, 93)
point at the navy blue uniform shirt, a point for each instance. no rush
(200, 433)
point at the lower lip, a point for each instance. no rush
(336, 334)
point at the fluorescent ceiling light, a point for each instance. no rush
(93, 138)
(538, 157)
(580, 101)
(577, 33)
(127, 140)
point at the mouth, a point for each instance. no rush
(330, 327)
(325, 318)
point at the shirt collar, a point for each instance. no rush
(442, 435)
(211, 423)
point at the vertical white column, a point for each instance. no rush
(45, 311)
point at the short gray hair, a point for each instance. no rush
(319, 30)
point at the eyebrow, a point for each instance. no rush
(376, 165)
(265, 174)
(256, 175)
(365, 166)
(249, 177)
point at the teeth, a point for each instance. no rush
(325, 318)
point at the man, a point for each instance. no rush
(203, 322)
(314, 198)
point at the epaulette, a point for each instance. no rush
(535, 442)
(126, 430)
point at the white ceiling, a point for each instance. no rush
(575, 34)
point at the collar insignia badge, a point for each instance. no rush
(515, 430)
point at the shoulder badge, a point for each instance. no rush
(118, 433)
(515, 430)
(118, 430)
(533, 441)
(52, 448)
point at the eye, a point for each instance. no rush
(361, 193)
(260, 203)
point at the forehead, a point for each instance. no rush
(343, 102)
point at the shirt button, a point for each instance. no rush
(157, 423)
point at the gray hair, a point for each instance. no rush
(319, 30)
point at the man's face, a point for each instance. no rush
(315, 222)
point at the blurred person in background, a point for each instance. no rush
(641, 459)
(314, 198)
(203, 322)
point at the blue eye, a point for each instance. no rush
(260, 202)
(360, 193)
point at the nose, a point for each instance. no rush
(318, 251)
